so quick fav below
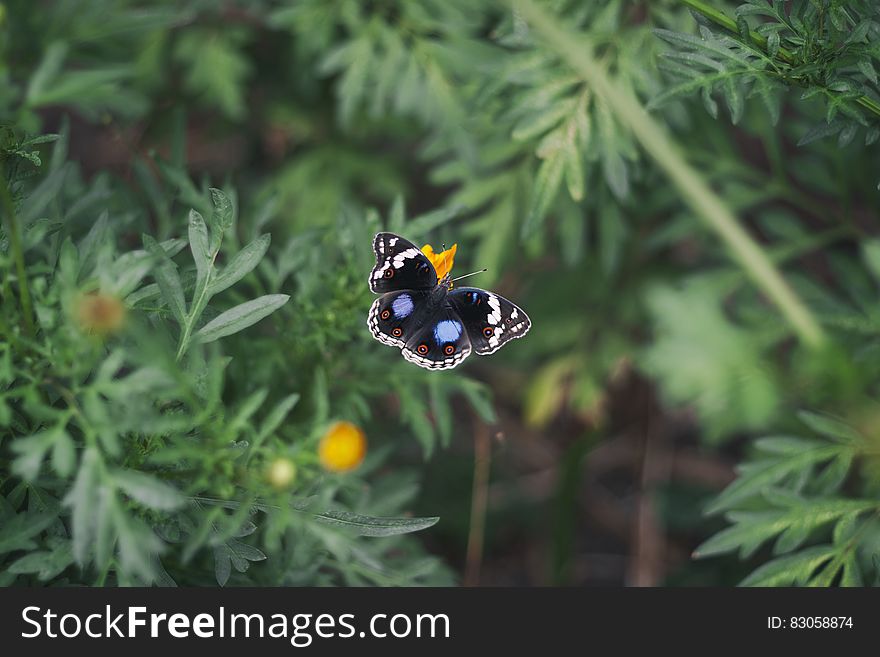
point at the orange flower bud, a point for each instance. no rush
(98, 313)
(343, 447)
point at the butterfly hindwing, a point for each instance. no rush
(489, 319)
(400, 265)
(442, 343)
(396, 317)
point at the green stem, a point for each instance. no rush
(17, 253)
(200, 300)
(722, 20)
(694, 190)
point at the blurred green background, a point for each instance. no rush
(682, 195)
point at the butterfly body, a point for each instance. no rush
(434, 325)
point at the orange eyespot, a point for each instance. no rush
(449, 349)
(422, 349)
(389, 272)
(385, 314)
(397, 331)
(488, 332)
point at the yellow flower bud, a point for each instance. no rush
(343, 447)
(99, 314)
(281, 473)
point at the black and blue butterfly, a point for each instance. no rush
(435, 325)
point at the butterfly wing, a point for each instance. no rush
(395, 317)
(400, 265)
(490, 320)
(440, 344)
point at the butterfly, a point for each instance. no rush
(433, 324)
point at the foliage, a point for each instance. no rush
(792, 492)
(131, 463)
(189, 194)
(825, 48)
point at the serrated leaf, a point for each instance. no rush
(830, 426)
(31, 452)
(735, 103)
(765, 474)
(791, 569)
(83, 500)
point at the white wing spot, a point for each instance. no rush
(495, 316)
(403, 256)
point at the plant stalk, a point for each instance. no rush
(17, 251)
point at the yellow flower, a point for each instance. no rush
(281, 473)
(343, 447)
(98, 313)
(442, 261)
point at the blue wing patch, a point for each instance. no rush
(402, 306)
(447, 330)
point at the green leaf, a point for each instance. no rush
(735, 103)
(84, 499)
(480, 398)
(370, 526)
(241, 317)
(46, 72)
(138, 545)
(397, 216)
(547, 182)
(615, 171)
(221, 218)
(275, 418)
(241, 265)
(764, 474)
(790, 570)
(31, 452)
(63, 454)
(215, 68)
(198, 244)
(830, 426)
(148, 490)
(45, 565)
(16, 533)
(852, 574)
(167, 279)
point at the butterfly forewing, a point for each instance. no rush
(400, 265)
(490, 320)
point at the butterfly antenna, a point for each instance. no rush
(458, 278)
